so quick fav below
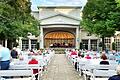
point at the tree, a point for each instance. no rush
(16, 20)
(101, 17)
(113, 46)
(29, 23)
(118, 1)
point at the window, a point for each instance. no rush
(85, 44)
(107, 42)
(94, 44)
(117, 42)
(25, 44)
(33, 44)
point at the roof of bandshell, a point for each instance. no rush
(59, 6)
(67, 16)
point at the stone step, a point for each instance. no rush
(59, 50)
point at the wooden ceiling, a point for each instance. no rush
(59, 35)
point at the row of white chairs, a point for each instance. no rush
(99, 72)
(103, 72)
(22, 70)
(93, 71)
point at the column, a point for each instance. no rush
(80, 39)
(20, 42)
(89, 44)
(77, 38)
(29, 43)
(41, 38)
(112, 40)
(5, 42)
(98, 41)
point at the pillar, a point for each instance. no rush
(112, 40)
(5, 42)
(20, 42)
(29, 43)
(41, 38)
(98, 41)
(77, 38)
(89, 44)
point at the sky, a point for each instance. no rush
(36, 3)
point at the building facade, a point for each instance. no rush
(60, 27)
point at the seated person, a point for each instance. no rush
(14, 53)
(112, 56)
(88, 56)
(104, 59)
(95, 56)
(73, 52)
(116, 77)
(34, 61)
(20, 57)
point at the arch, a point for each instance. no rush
(59, 39)
(59, 35)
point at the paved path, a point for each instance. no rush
(60, 69)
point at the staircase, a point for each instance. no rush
(59, 50)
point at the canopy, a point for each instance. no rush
(59, 35)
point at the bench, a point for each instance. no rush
(100, 72)
(22, 70)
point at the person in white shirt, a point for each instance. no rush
(4, 58)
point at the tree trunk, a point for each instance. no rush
(11, 43)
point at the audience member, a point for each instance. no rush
(4, 58)
(35, 71)
(18, 50)
(112, 56)
(104, 59)
(14, 53)
(116, 77)
(88, 56)
(95, 56)
(73, 52)
(21, 57)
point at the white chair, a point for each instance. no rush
(19, 67)
(22, 70)
(36, 66)
(20, 79)
(100, 72)
(18, 73)
(81, 65)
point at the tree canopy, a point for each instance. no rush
(16, 20)
(118, 1)
(101, 17)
